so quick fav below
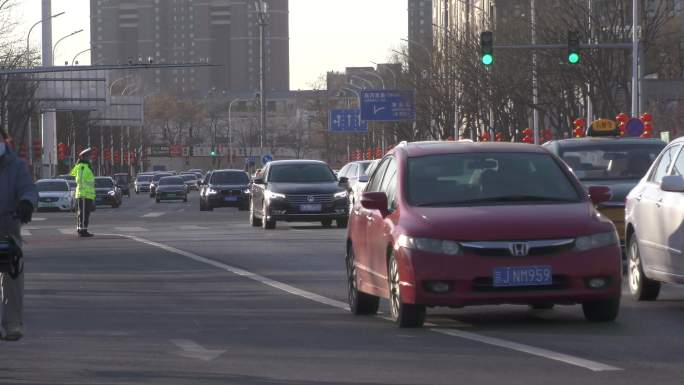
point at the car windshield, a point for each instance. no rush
(67, 177)
(611, 161)
(229, 178)
(144, 178)
(52, 186)
(301, 173)
(487, 178)
(157, 177)
(363, 167)
(187, 177)
(121, 179)
(171, 181)
(103, 183)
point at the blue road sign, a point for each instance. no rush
(347, 120)
(250, 159)
(387, 105)
(266, 158)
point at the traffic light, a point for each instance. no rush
(574, 56)
(213, 152)
(487, 48)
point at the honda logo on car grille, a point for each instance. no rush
(311, 198)
(519, 249)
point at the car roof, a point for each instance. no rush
(172, 176)
(295, 161)
(231, 170)
(415, 149)
(103, 177)
(60, 180)
(582, 142)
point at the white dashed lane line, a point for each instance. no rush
(539, 352)
(152, 215)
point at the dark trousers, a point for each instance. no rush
(85, 206)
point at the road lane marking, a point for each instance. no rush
(131, 229)
(539, 352)
(152, 215)
(191, 349)
(25, 232)
(193, 227)
(69, 231)
(38, 219)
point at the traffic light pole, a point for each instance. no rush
(535, 90)
(635, 58)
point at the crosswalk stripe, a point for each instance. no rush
(25, 233)
(193, 227)
(69, 231)
(130, 229)
(38, 219)
(152, 215)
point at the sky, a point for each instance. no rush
(325, 35)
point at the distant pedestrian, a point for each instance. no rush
(18, 197)
(85, 191)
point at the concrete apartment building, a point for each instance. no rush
(224, 32)
(420, 31)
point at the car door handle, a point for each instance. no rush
(659, 203)
(638, 198)
(370, 218)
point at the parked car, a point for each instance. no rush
(226, 188)
(123, 181)
(171, 188)
(106, 192)
(55, 194)
(155, 180)
(654, 217)
(142, 183)
(298, 191)
(457, 224)
(616, 162)
(190, 181)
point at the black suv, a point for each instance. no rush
(298, 191)
(225, 188)
(107, 192)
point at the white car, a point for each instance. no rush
(654, 218)
(55, 194)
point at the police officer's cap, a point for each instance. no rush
(85, 153)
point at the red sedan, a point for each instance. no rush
(457, 224)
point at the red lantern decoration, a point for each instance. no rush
(548, 135)
(646, 117)
(527, 136)
(378, 152)
(648, 127)
(580, 123)
(485, 137)
(646, 134)
(622, 117)
(499, 137)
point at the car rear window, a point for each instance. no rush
(144, 178)
(187, 177)
(52, 186)
(611, 161)
(229, 178)
(171, 181)
(103, 183)
(458, 179)
(301, 173)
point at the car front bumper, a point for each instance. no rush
(284, 211)
(60, 205)
(470, 278)
(105, 200)
(177, 195)
(221, 200)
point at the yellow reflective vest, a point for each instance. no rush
(85, 181)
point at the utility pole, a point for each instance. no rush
(49, 118)
(535, 91)
(635, 57)
(262, 15)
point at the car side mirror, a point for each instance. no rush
(672, 183)
(600, 194)
(258, 181)
(364, 178)
(375, 201)
(343, 180)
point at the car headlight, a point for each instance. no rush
(274, 195)
(111, 193)
(596, 240)
(246, 191)
(211, 191)
(430, 245)
(341, 195)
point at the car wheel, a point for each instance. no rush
(202, 206)
(601, 311)
(342, 223)
(326, 222)
(253, 220)
(209, 207)
(359, 303)
(403, 314)
(185, 200)
(158, 200)
(641, 288)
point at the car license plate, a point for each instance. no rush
(310, 208)
(522, 276)
(231, 199)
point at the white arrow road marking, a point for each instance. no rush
(70, 231)
(38, 219)
(539, 352)
(191, 349)
(25, 232)
(153, 215)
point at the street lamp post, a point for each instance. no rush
(262, 15)
(54, 48)
(78, 54)
(230, 128)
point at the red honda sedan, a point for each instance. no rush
(456, 224)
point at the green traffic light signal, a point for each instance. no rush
(573, 58)
(213, 153)
(487, 59)
(574, 47)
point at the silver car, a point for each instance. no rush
(654, 218)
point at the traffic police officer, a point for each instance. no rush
(18, 197)
(85, 191)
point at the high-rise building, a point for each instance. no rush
(419, 31)
(222, 32)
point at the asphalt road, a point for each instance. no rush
(166, 294)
